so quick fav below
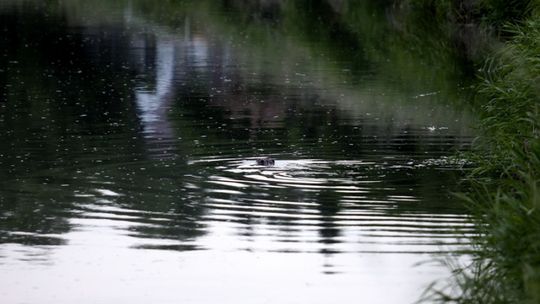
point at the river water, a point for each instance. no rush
(130, 131)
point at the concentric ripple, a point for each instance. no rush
(314, 205)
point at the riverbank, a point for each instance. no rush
(505, 181)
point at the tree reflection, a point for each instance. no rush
(106, 114)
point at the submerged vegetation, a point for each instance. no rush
(505, 183)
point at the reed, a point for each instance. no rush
(505, 195)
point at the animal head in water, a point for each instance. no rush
(267, 161)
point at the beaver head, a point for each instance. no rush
(267, 161)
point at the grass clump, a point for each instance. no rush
(506, 260)
(509, 99)
(506, 183)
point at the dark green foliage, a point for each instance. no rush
(499, 12)
(493, 13)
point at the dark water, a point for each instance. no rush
(129, 132)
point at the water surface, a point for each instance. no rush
(130, 131)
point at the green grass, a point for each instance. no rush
(506, 265)
(509, 98)
(505, 195)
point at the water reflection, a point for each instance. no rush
(131, 131)
(327, 197)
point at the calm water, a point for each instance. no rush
(129, 132)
